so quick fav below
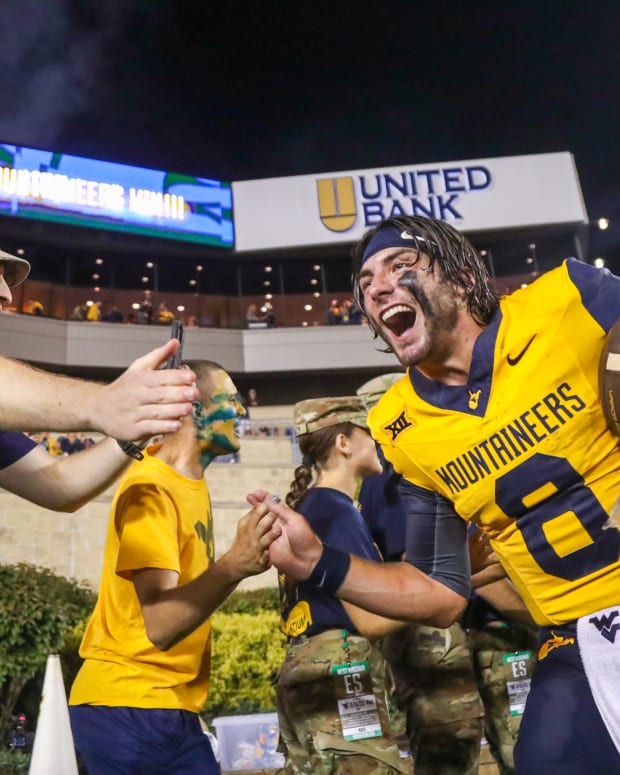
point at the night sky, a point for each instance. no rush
(237, 91)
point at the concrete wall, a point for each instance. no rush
(69, 344)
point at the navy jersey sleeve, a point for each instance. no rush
(13, 446)
(599, 289)
(436, 538)
(383, 512)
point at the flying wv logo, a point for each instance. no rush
(398, 426)
(474, 398)
(604, 625)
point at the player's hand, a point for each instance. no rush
(295, 548)
(481, 555)
(249, 552)
(145, 400)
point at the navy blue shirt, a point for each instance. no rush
(383, 511)
(334, 518)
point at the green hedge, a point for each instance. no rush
(248, 649)
(38, 611)
(13, 763)
(42, 613)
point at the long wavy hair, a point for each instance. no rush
(459, 261)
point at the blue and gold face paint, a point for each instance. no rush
(217, 423)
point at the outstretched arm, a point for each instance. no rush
(65, 483)
(171, 612)
(394, 590)
(144, 401)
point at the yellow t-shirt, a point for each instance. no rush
(159, 519)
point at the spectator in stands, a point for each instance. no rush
(254, 315)
(267, 311)
(112, 314)
(39, 438)
(34, 307)
(355, 314)
(78, 312)
(245, 427)
(134, 704)
(70, 443)
(334, 313)
(48, 442)
(94, 310)
(145, 310)
(165, 315)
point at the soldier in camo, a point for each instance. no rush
(491, 638)
(433, 684)
(315, 737)
(322, 631)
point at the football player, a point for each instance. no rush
(497, 422)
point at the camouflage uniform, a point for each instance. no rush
(489, 643)
(435, 686)
(316, 413)
(372, 390)
(310, 728)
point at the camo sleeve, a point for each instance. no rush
(436, 538)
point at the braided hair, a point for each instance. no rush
(315, 448)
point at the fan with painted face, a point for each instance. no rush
(217, 417)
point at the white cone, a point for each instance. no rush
(53, 752)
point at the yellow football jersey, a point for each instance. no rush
(523, 450)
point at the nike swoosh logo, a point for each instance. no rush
(517, 358)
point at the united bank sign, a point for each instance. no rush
(431, 193)
(474, 195)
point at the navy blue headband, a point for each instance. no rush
(390, 237)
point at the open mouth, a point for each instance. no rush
(399, 319)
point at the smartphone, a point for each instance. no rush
(176, 332)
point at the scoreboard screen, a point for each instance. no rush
(46, 185)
